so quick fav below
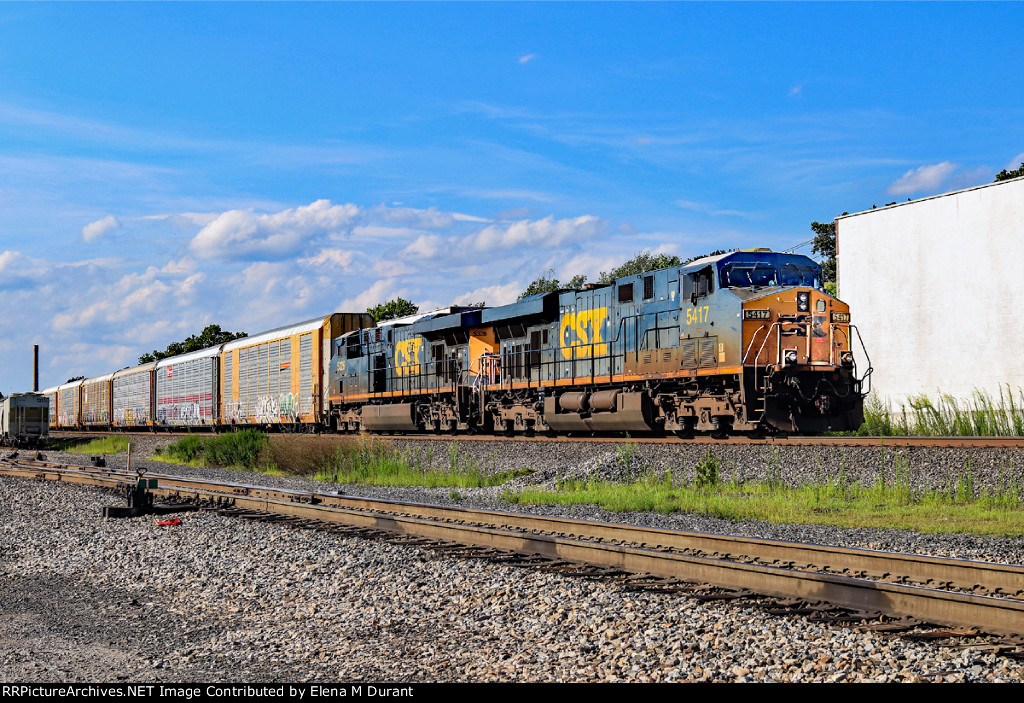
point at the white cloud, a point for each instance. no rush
(381, 291)
(334, 258)
(501, 294)
(468, 218)
(795, 90)
(924, 178)
(244, 234)
(707, 209)
(527, 58)
(426, 246)
(547, 233)
(375, 231)
(185, 264)
(431, 218)
(199, 219)
(95, 230)
(510, 194)
(14, 263)
(392, 267)
(135, 296)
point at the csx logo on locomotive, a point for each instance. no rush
(407, 356)
(581, 332)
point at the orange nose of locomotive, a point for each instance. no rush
(799, 327)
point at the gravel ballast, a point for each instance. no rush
(220, 599)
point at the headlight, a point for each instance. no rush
(789, 356)
(803, 301)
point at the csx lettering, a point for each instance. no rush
(581, 331)
(407, 356)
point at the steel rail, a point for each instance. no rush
(778, 440)
(634, 549)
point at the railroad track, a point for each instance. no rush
(912, 589)
(773, 441)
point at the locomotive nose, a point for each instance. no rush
(799, 327)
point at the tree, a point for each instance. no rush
(825, 245)
(1005, 175)
(642, 262)
(399, 307)
(75, 378)
(547, 283)
(209, 337)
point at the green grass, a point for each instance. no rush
(981, 416)
(103, 445)
(236, 449)
(892, 502)
(359, 460)
(368, 462)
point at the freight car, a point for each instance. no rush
(747, 341)
(24, 419)
(273, 379)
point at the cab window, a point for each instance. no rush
(749, 275)
(698, 284)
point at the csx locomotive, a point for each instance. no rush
(747, 341)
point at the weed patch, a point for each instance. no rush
(891, 501)
(982, 415)
(104, 445)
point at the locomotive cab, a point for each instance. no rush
(797, 342)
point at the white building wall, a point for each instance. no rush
(936, 287)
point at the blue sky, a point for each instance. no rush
(167, 166)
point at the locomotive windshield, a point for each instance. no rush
(759, 274)
(800, 275)
(745, 275)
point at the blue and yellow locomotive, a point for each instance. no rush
(747, 341)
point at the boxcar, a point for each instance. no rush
(186, 388)
(51, 396)
(69, 400)
(96, 401)
(276, 377)
(24, 419)
(132, 403)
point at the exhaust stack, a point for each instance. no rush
(35, 368)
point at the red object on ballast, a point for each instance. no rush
(169, 523)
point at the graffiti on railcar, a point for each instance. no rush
(234, 411)
(131, 416)
(182, 413)
(289, 406)
(95, 417)
(280, 408)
